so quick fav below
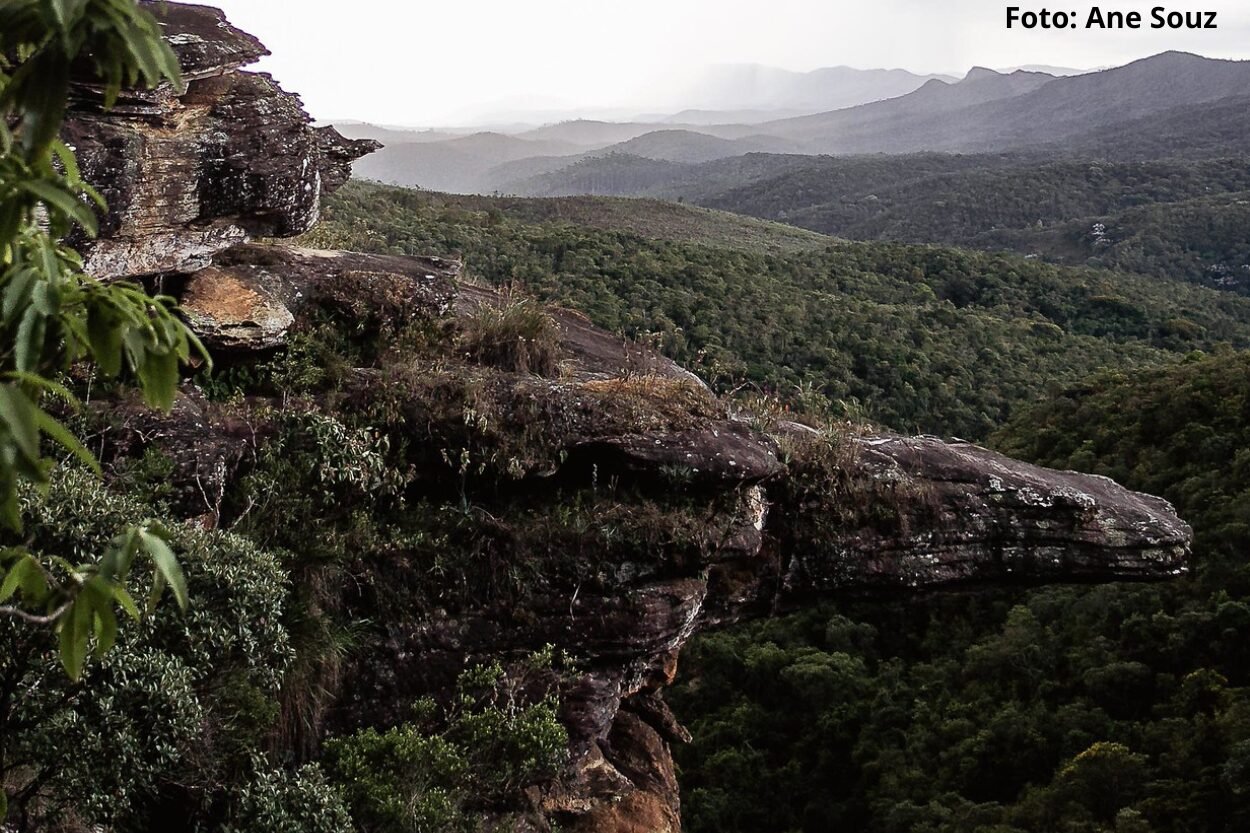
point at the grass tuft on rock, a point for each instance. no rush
(516, 335)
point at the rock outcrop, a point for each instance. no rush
(189, 173)
(847, 512)
(717, 517)
(962, 512)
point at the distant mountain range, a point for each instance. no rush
(732, 87)
(1156, 105)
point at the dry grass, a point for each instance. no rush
(314, 681)
(516, 335)
(645, 403)
(832, 489)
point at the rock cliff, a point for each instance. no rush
(188, 173)
(635, 507)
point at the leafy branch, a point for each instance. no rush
(53, 315)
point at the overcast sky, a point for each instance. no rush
(441, 62)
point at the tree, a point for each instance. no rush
(53, 316)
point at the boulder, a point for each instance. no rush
(231, 310)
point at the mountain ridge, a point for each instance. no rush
(987, 111)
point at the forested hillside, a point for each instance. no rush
(1117, 708)
(918, 338)
(1168, 218)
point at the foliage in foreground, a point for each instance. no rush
(183, 697)
(53, 316)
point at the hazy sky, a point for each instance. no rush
(430, 62)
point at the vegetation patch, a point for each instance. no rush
(515, 335)
(920, 339)
(449, 766)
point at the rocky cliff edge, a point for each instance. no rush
(611, 505)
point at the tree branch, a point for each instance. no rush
(18, 613)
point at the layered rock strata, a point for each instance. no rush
(190, 172)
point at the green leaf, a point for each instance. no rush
(105, 336)
(35, 588)
(46, 385)
(115, 565)
(54, 197)
(99, 594)
(17, 413)
(105, 630)
(69, 569)
(64, 438)
(16, 576)
(51, 268)
(154, 595)
(58, 13)
(28, 351)
(17, 294)
(68, 162)
(127, 603)
(28, 575)
(158, 378)
(10, 511)
(167, 565)
(75, 628)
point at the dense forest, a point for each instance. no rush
(1115, 708)
(1169, 219)
(1166, 218)
(915, 337)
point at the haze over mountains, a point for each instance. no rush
(1168, 97)
(747, 87)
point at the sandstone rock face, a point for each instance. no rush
(967, 513)
(188, 174)
(728, 521)
(256, 291)
(230, 312)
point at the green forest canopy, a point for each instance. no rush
(919, 338)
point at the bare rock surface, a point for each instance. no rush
(231, 311)
(979, 514)
(398, 289)
(189, 173)
(726, 453)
